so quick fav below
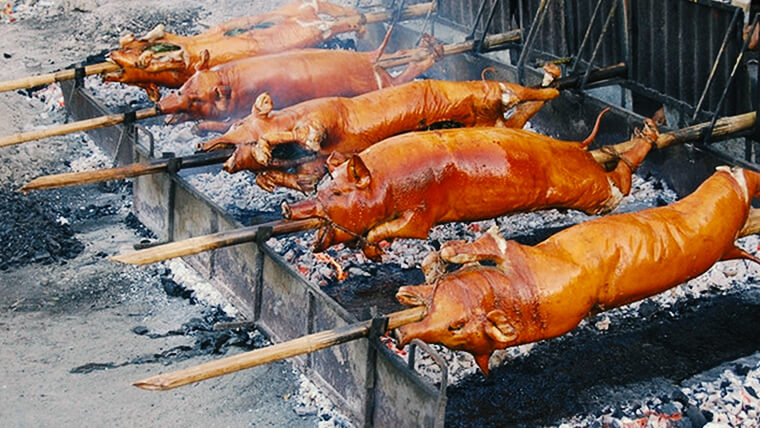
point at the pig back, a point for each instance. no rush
(628, 257)
(479, 173)
(296, 76)
(377, 115)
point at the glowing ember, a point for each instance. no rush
(340, 273)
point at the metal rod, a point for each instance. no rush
(599, 43)
(586, 36)
(488, 25)
(528, 46)
(715, 65)
(477, 20)
(722, 99)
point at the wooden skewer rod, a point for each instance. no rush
(203, 243)
(105, 67)
(82, 125)
(44, 79)
(66, 179)
(417, 54)
(306, 344)
(723, 127)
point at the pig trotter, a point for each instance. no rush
(489, 247)
(433, 267)
(262, 151)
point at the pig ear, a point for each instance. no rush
(415, 295)
(263, 104)
(499, 328)
(203, 64)
(358, 172)
(482, 360)
(334, 160)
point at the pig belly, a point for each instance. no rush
(628, 257)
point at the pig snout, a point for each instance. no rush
(308, 208)
(242, 159)
(172, 103)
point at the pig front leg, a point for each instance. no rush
(304, 180)
(411, 224)
(308, 136)
(489, 247)
(206, 126)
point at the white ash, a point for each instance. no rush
(116, 96)
(311, 401)
(178, 139)
(203, 290)
(97, 157)
(239, 191)
(726, 399)
(51, 97)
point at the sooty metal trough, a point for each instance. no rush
(366, 380)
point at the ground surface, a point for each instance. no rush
(59, 313)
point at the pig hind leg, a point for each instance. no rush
(411, 224)
(632, 158)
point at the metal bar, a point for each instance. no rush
(586, 36)
(488, 24)
(377, 328)
(715, 65)
(477, 20)
(599, 43)
(531, 39)
(441, 410)
(722, 99)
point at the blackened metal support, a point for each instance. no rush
(127, 134)
(479, 45)
(531, 39)
(708, 131)
(714, 69)
(475, 23)
(441, 363)
(428, 21)
(605, 29)
(377, 328)
(586, 37)
(262, 235)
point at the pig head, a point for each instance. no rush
(205, 95)
(464, 313)
(351, 199)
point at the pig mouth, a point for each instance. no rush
(407, 298)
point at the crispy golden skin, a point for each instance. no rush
(403, 186)
(162, 59)
(543, 291)
(350, 125)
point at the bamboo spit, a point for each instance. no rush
(44, 79)
(303, 345)
(386, 61)
(213, 241)
(413, 11)
(199, 244)
(66, 179)
(82, 125)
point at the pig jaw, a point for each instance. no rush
(172, 103)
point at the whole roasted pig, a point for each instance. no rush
(229, 91)
(161, 59)
(403, 186)
(543, 291)
(350, 125)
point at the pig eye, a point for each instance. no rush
(337, 193)
(456, 325)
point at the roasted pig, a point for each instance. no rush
(350, 125)
(161, 59)
(543, 291)
(404, 185)
(229, 91)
